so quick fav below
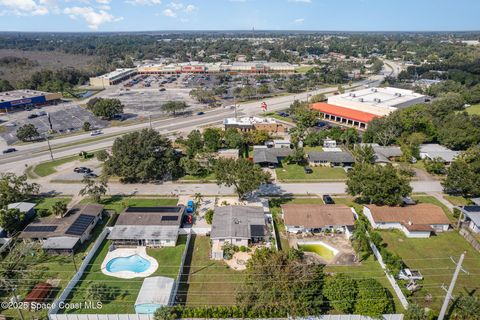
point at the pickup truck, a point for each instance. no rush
(407, 274)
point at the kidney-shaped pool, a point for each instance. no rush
(133, 263)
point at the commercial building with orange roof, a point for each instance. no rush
(345, 116)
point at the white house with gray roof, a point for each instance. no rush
(237, 225)
(435, 151)
(471, 216)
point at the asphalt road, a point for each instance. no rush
(214, 189)
(35, 153)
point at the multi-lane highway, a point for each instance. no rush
(35, 153)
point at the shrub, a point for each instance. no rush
(209, 216)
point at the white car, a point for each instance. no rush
(407, 274)
(96, 132)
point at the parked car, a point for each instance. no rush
(327, 199)
(41, 113)
(90, 175)
(307, 170)
(32, 116)
(408, 201)
(11, 124)
(9, 150)
(190, 206)
(96, 132)
(162, 89)
(82, 170)
(407, 274)
(347, 168)
(200, 113)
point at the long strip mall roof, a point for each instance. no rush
(343, 112)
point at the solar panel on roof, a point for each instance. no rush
(40, 228)
(257, 230)
(80, 225)
(169, 218)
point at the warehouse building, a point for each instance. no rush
(112, 78)
(358, 108)
(10, 100)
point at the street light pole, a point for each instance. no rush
(49, 147)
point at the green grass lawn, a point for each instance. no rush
(209, 282)
(458, 201)
(168, 259)
(48, 202)
(59, 268)
(319, 249)
(304, 69)
(293, 172)
(432, 257)
(119, 203)
(309, 149)
(475, 109)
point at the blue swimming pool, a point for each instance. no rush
(133, 263)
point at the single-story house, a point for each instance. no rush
(279, 144)
(384, 154)
(148, 226)
(237, 225)
(228, 154)
(471, 216)
(64, 234)
(476, 201)
(333, 159)
(155, 293)
(269, 156)
(318, 218)
(416, 221)
(435, 151)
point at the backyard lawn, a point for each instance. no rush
(168, 261)
(41, 267)
(209, 282)
(432, 257)
(293, 172)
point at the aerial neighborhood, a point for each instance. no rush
(237, 174)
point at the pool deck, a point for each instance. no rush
(127, 252)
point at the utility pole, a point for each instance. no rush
(74, 263)
(49, 147)
(441, 316)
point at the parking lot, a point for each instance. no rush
(64, 117)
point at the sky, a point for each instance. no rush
(156, 15)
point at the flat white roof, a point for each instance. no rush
(117, 73)
(22, 206)
(379, 97)
(20, 94)
(248, 120)
(155, 290)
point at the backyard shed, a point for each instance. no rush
(39, 293)
(155, 292)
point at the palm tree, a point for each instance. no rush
(59, 209)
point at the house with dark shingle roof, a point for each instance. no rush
(269, 156)
(416, 221)
(333, 159)
(237, 225)
(318, 218)
(64, 234)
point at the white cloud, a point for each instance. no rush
(93, 18)
(143, 2)
(103, 1)
(169, 13)
(300, 1)
(176, 7)
(190, 8)
(299, 21)
(25, 7)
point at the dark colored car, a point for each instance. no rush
(32, 116)
(200, 113)
(9, 150)
(90, 175)
(307, 170)
(327, 199)
(82, 170)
